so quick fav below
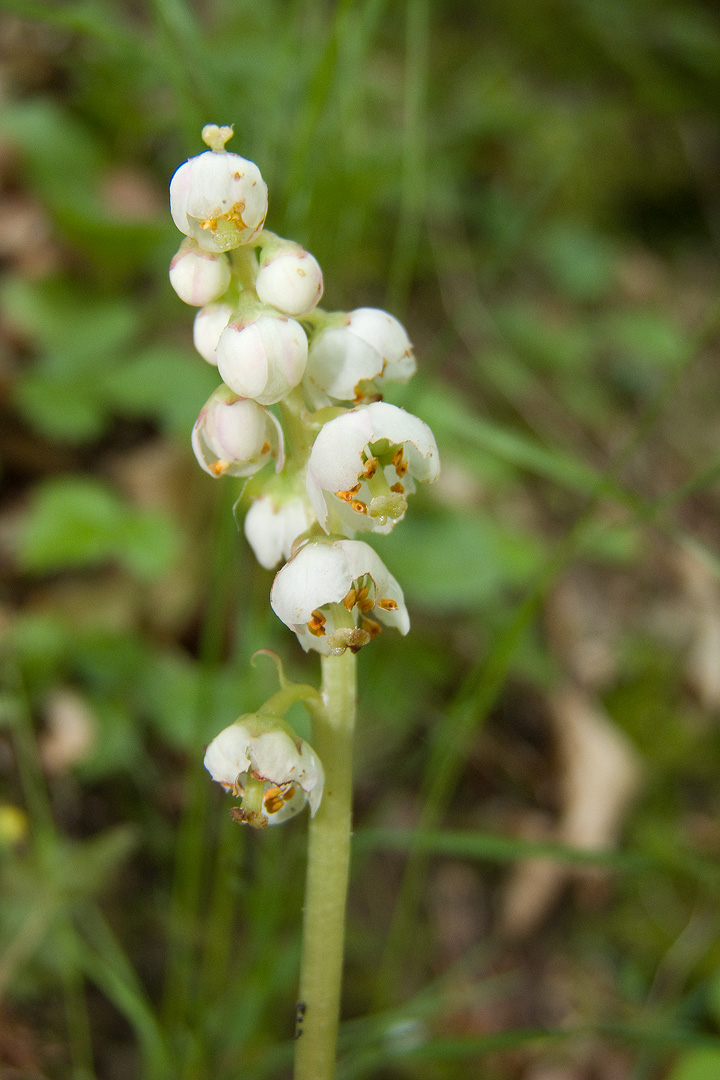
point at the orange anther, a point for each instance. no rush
(219, 467)
(349, 495)
(387, 604)
(359, 506)
(350, 599)
(370, 468)
(398, 488)
(316, 626)
(371, 627)
(265, 448)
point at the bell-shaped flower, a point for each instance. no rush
(355, 353)
(197, 276)
(273, 523)
(234, 436)
(335, 596)
(364, 464)
(261, 354)
(209, 324)
(289, 278)
(262, 761)
(218, 198)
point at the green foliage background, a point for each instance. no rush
(532, 188)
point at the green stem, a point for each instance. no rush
(327, 876)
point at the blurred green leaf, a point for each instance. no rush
(166, 384)
(580, 262)
(460, 562)
(76, 521)
(696, 1065)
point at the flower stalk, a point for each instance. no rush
(327, 876)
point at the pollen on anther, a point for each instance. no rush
(371, 627)
(316, 626)
(359, 506)
(398, 488)
(217, 468)
(370, 468)
(349, 495)
(387, 604)
(350, 599)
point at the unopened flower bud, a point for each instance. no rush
(262, 356)
(289, 277)
(264, 762)
(234, 436)
(197, 276)
(209, 324)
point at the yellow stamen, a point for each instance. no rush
(371, 627)
(365, 605)
(359, 506)
(387, 604)
(398, 488)
(219, 467)
(370, 468)
(349, 495)
(350, 599)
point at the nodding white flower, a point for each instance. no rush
(289, 277)
(368, 344)
(335, 595)
(209, 324)
(274, 771)
(273, 524)
(262, 356)
(363, 465)
(233, 436)
(197, 276)
(218, 198)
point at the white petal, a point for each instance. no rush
(208, 326)
(271, 529)
(226, 758)
(235, 436)
(338, 361)
(317, 575)
(335, 460)
(242, 360)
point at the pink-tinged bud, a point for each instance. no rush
(262, 357)
(198, 277)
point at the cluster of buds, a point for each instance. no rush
(301, 390)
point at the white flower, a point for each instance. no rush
(272, 524)
(209, 324)
(368, 345)
(219, 199)
(197, 276)
(262, 357)
(289, 278)
(364, 463)
(333, 594)
(235, 437)
(276, 772)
